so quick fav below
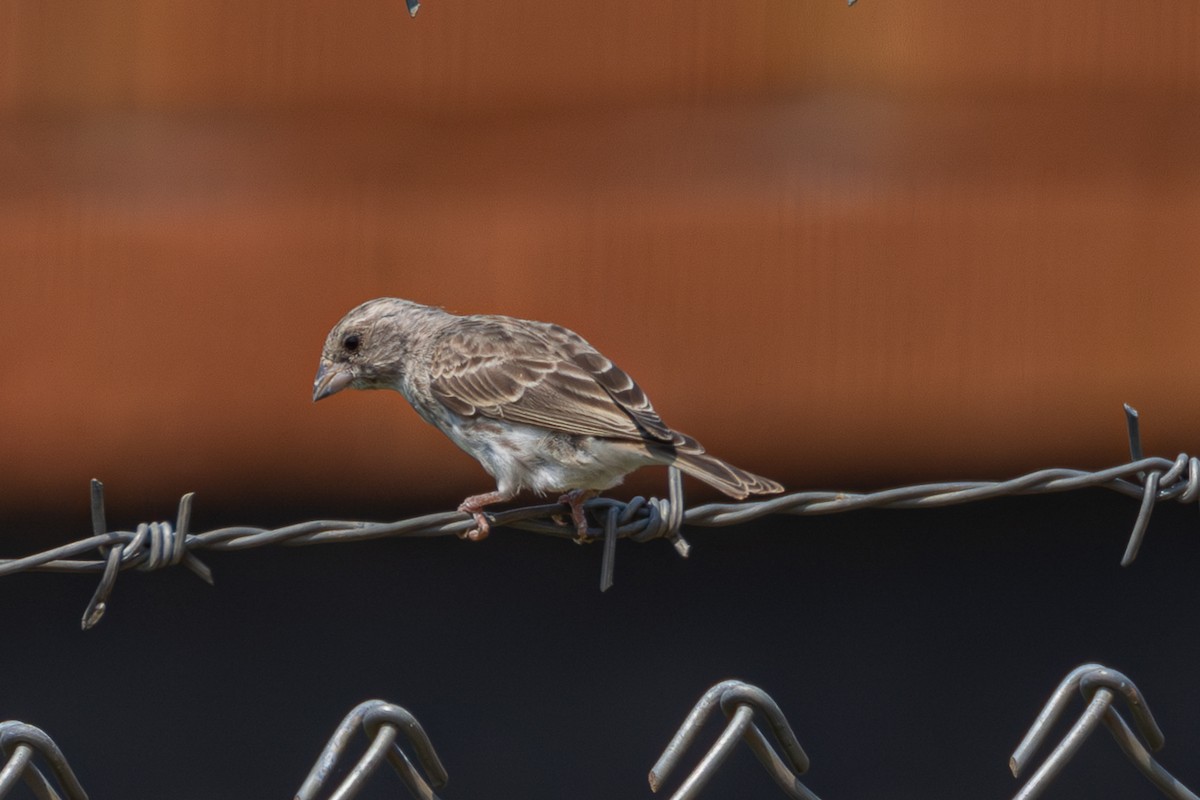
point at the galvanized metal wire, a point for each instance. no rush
(383, 723)
(159, 545)
(740, 702)
(745, 708)
(1100, 687)
(19, 743)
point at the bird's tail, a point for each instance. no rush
(687, 454)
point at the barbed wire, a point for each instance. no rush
(158, 545)
(742, 704)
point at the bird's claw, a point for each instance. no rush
(581, 531)
(574, 500)
(482, 526)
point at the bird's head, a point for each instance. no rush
(368, 348)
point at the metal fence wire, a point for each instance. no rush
(160, 544)
(748, 709)
(745, 707)
(157, 545)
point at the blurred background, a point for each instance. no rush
(847, 248)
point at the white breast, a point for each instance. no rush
(528, 457)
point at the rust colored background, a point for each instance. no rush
(843, 247)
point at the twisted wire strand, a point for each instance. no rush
(159, 545)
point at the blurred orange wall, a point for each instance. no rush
(841, 246)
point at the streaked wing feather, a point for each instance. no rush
(543, 375)
(622, 389)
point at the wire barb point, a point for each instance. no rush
(156, 545)
(153, 546)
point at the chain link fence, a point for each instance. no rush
(745, 707)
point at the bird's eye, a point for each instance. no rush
(351, 342)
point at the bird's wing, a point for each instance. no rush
(539, 374)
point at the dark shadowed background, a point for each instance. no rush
(848, 248)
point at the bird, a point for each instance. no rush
(536, 405)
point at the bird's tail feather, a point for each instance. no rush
(690, 457)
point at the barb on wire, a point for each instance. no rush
(1100, 687)
(740, 702)
(18, 745)
(153, 546)
(158, 545)
(383, 723)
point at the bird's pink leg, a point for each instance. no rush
(474, 506)
(575, 499)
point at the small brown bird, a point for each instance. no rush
(534, 403)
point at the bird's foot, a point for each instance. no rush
(575, 500)
(482, 527)
(474, 506)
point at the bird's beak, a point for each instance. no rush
(331, 378)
